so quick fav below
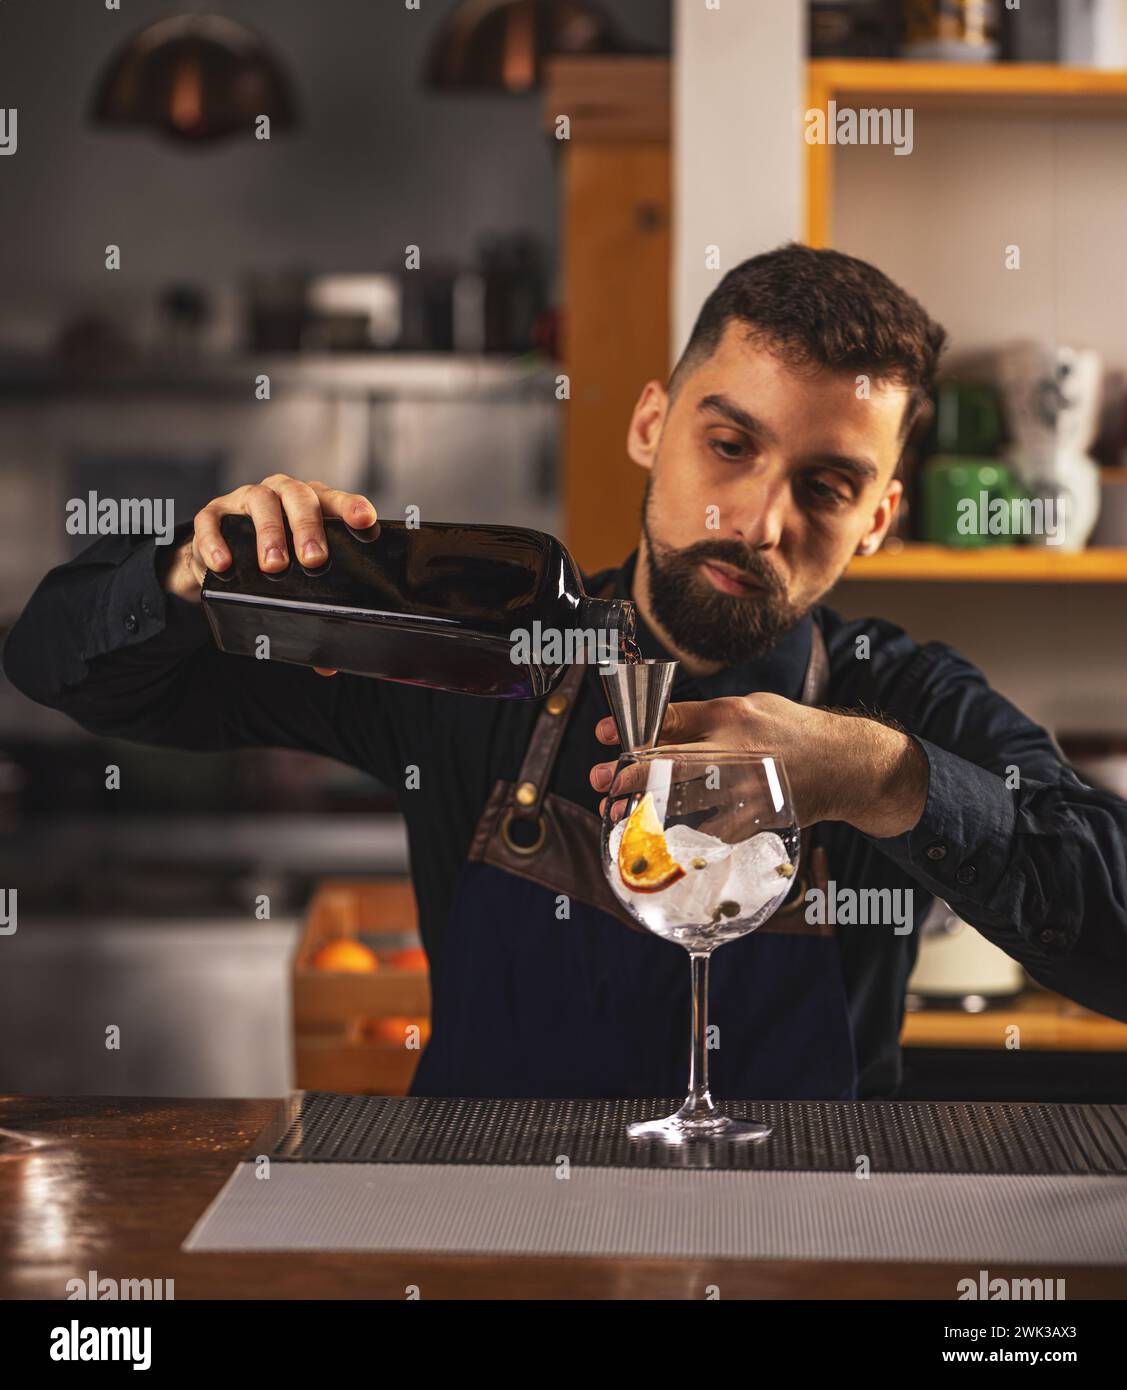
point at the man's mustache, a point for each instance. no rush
(732, 553)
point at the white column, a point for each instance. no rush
(739, 75)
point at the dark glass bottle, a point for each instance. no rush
(482, 610)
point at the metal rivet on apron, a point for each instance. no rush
(556, 704)
(526, 793)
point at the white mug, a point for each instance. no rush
(1093, 33)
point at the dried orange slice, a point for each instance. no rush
(644, 860)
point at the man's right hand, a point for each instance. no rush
(304, 506)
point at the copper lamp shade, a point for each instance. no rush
(500, 45)
(196, 78)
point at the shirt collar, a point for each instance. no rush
(781, 671)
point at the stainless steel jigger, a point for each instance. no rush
(638, 697)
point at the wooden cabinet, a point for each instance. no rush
(616, 199)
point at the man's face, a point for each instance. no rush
(765, 480)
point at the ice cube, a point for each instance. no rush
(757, 874)
(692, 900)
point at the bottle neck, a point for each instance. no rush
(615, 617)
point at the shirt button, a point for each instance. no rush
(1048, 937)
(146, 608)
(967, 874)
(131, 623)
(936, 851)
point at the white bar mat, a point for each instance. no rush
(465, 1209)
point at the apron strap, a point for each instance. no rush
(526, 803)
(816, 683)
(814, 868)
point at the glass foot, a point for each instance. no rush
(682, 1129)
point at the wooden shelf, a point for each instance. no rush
(1045, 87)
(1047, 1023)
(993, 565)
(1010, 89)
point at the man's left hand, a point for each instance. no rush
(840, 767)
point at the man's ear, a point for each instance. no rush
(646, 424)
(873, 538)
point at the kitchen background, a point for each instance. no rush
(436, 387)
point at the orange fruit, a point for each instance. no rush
(410, 958)
(345, 953)
(644, 860)
(394, 1030)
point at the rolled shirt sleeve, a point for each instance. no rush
(1009, 836)
(135, 607)
(962, 849)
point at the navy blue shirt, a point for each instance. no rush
(1010, 837)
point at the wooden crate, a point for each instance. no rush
(332, 1010)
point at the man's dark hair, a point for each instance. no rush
(823, 309)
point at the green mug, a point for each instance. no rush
(967, 419)
(966, 501)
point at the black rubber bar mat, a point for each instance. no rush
(810, 1136)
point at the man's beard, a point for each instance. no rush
(701, 620)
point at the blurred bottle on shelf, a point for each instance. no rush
(854, 28)
(950, 31)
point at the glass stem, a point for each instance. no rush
(699, 1104)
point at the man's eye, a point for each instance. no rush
(730, 449)
(825, 494)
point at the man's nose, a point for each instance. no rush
(761, 517)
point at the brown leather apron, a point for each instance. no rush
(529, 831)
(538, 991)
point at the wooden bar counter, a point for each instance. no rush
(115, 1185)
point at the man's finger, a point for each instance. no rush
(692, 719)
(197, 566)
(264, 507)
(208, 545)
(621, 781)
(351, 507)
(303, 512)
